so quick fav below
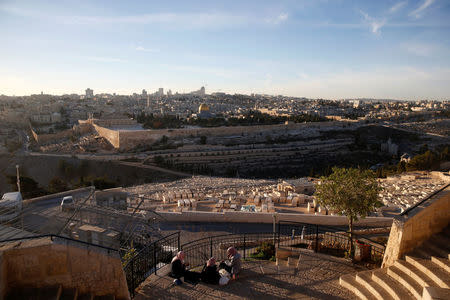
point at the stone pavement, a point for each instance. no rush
(316, 276)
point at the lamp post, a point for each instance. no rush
(18, 178)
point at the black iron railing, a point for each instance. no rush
(325, 239)
(201, 250)
(139, 264)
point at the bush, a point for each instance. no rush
(265, 251)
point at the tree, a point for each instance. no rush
(349, 192)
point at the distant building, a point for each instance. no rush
(161, 92)
(144, 94)
(89, 93)
(204, 112)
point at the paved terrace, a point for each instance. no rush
(316, 276)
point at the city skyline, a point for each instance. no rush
(324, 49)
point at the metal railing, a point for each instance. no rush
(139, 264)
(324, 239)
(199, 251)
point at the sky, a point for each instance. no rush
(391, 49)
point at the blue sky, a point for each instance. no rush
(319, 49)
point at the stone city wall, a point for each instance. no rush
(110, 135)
(128, 139)
(408, 232)
(50, 137)
(43, 263)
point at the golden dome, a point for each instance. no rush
(203, 108)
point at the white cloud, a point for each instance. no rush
(142, 49)
(375, 24)
(278, 19)
(419, 11)
(178, 20)
(397, 7)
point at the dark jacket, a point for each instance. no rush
(210, 275)
(178, 269)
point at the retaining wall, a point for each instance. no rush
(248, 217)
(42, 262)
(409, 231)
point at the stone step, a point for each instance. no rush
(441, 262)
(440, 277)
(365, 278)
(420, 277)
(69, 294)
(432, 248)
(393, 287)
(405, 280)
(349, 282)
(443, 241)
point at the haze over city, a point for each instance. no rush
(315, 49)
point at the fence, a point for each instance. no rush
(330, 240)
(324, 239)
(139, 264)
(201, 250)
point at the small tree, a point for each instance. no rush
(349, 192)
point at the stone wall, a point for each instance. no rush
(128, 139)
(252, 217)
(42, 262)
(409, 231)
(50, 137)
(110, 135)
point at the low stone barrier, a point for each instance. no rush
(249, 217)
(75, 192)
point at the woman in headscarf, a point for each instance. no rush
(210, 273)
(233, 265)
(179, 270)
(178, 265)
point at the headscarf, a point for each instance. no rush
(179, 256)
(231, 251)
(211, 262)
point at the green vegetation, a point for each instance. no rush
(249, 119)
(349, 192)
(264, 251)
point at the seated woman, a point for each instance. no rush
(178, 266)
(210, 274)
(179, 270)
(233, 266)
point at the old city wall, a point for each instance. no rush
(128, 139)
(42, 262)
(46, 138)
(110, 135)
(409, 232)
